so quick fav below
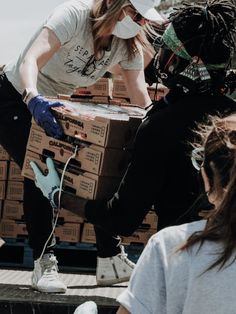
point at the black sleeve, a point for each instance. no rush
(150, 72)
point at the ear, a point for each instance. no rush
(205, 180)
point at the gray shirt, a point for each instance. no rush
(74, 63)
(170, 282)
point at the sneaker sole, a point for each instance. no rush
(111, 281)
(48, 290)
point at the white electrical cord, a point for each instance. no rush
(57, 210)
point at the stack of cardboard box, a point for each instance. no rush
(120, 94)
(12, 191)
(100, 92)
(110, 91)
(4, 159)
(102, 135)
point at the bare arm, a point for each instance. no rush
(122, 310)
(136, 87)
(42, 49)
(148, 56)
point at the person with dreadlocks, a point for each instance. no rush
(191, 268)
(160, 171)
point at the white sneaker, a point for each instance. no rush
(45, 276)
(88, 307)
(115, 269)
(1, 242)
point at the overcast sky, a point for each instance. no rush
(18, 21)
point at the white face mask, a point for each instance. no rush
(126, 28)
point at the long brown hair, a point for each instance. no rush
(219, 142)
(104, 20)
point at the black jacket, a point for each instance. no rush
(160, 171)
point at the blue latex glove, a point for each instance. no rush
(40, 109)
(49, 184)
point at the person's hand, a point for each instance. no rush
(49, 184)
(40, 109)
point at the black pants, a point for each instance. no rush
(15, 123)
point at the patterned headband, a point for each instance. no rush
(173, 43)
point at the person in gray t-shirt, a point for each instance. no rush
(79, 41)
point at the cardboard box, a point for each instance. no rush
(84, 184)
(119, 88)
(101, 100)
(90, 157)
(1, 209)
(14, 173)
(63, 96)
(150, 221)
(104, 125)
(68, 216)
(120, 101)
(156, 94)
(3, 154)
(103, 87)
(3, 187)
(3, 170)
(140, 236)
(15, 191)
(12, 229)
(68, 232)
(88, 233)
(13, 210)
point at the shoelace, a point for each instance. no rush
(124, 257)
(50, 266)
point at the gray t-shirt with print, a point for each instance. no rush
(168, 282)
(74, 63)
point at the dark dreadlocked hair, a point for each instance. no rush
(210, 29)
(207, 30)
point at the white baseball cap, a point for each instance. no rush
(147, 9)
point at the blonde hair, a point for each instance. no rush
(104, 20)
